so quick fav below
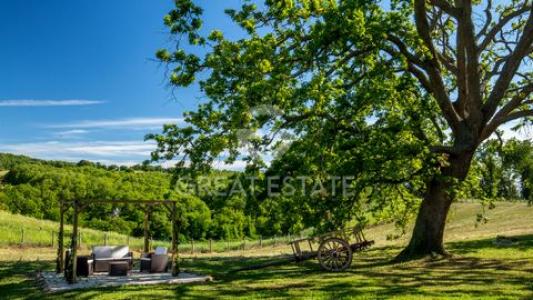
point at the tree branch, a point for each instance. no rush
(404, 51)
(515, 101)
(415, 70)
(446, 7)
(517, 115)
(494, 124)
(433, 67)
(488, 20)
(509, 69)
(466, 28)
(462, 85)
(501, 23)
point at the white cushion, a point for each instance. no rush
(101, 252)
(110, 252)
(119, 251)
(160, 251)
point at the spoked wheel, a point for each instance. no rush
(334, 255)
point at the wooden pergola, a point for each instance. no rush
(78, 206)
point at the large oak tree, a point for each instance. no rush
(415, 86)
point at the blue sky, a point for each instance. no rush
(78, 80)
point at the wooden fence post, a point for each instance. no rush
(192, 246)
(21, 236)
(261, 242)
(210, 246)
(52, 240)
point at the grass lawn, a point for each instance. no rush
(478, 270)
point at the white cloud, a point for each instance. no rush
(126, 163)
(72, 133)
(523, 133)
(124, 153)
(95, 150)
(44, 103)
(118, 123)
(169, 164)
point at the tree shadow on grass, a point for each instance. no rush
(521, 243)
(461, 275)
(372, 275)
(17, 279)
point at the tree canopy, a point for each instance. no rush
(399, 93)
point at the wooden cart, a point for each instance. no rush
(335, 249)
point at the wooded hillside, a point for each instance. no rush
(502, 171)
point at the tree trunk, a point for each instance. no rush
(428, 233)
(427, 238)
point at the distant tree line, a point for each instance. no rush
(502, 170)
(505, 170)
(34, 188)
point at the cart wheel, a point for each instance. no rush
(334, 255)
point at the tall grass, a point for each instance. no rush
(18, 230)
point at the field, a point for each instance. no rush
(17, 230)
(479, 269)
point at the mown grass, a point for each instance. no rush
(479, 269)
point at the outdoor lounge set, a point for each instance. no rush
(118, 261)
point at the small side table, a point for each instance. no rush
(146, 263)
(84, 266)
(118, 268)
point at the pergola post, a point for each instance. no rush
(60, 263)
(146, 248)
(175, 230)
(74, 244)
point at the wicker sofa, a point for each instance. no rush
(103, 255)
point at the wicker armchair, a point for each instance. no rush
(155, 262)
